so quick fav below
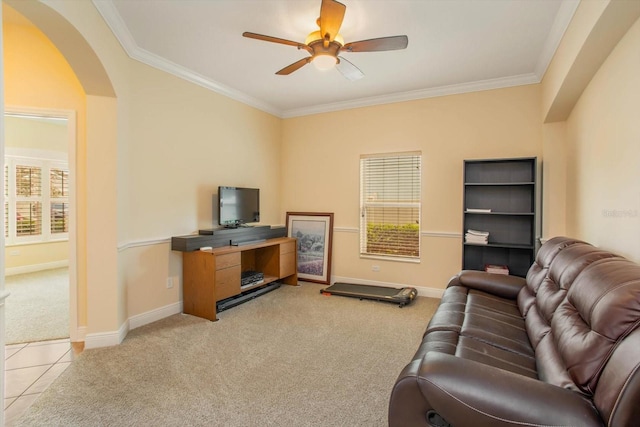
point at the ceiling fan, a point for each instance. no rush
(326, 44)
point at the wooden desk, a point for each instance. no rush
(213, 275)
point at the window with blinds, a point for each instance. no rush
(28, 200)
(390, 201)
(59, 200)
(36, 209)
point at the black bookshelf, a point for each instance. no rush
(500, 198)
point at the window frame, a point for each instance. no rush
(11, 162)
(412, 156)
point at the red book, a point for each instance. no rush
(496, 269)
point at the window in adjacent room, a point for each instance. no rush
(37, 200)
(390, 201)
(59, 200)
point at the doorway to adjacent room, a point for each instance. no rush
(38, 219)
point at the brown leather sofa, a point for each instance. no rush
(559, 348)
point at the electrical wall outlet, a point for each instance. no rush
(375, 268)
(169, 282)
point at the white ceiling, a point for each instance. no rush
(454, 46)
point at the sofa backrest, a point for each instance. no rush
(590, 329)
(582, 313)
(540, 269)
(564, 270)
(567, 263)
(545, 256)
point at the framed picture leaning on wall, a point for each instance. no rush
(314, 232)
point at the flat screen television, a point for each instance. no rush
(237, 206)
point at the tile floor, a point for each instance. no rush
(30, 368)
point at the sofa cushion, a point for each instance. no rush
(492, 355)
(566, 267)
(544, 258)
(499, 330)
(602, 307)
(550, 293)
(539, 270)
(479, 326)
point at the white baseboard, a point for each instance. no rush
(422, 290)
(155, 315)
(12, 271)
(108, 339)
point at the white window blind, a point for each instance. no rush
(59, 200)
(28, 200)
(6, 200)
(390, 205)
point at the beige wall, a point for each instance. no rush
(603, 139)
(591, 135)
(32, 257)
(25, 133)
(560, 75)
(321, 168)
(554, 180)
(185, 141)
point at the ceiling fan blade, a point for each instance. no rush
(293, 67)
(348, 70)
(377, 45)
(277, 40)
(331, 16)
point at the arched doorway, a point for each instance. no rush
(97, 87)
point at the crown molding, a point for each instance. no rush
(565, 14)
(499, 83)
(113, 19)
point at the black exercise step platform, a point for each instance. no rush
(401, 296)
(228, 303)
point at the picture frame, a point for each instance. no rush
(314, 234)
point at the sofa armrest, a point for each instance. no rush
(468, 393)
(505, 286)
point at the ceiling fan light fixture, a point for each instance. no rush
(313, 37)
(325, 44)
(317, 36)
(324, 62)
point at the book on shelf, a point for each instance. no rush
(476, 237)
(477, 233)
(496, 269)
(477, 241)
(477, 210)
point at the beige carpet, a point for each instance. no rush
(37, 308)
(292, 357)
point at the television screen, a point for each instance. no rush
(238, 205)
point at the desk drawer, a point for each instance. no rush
(227, 260)
(227, 282)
